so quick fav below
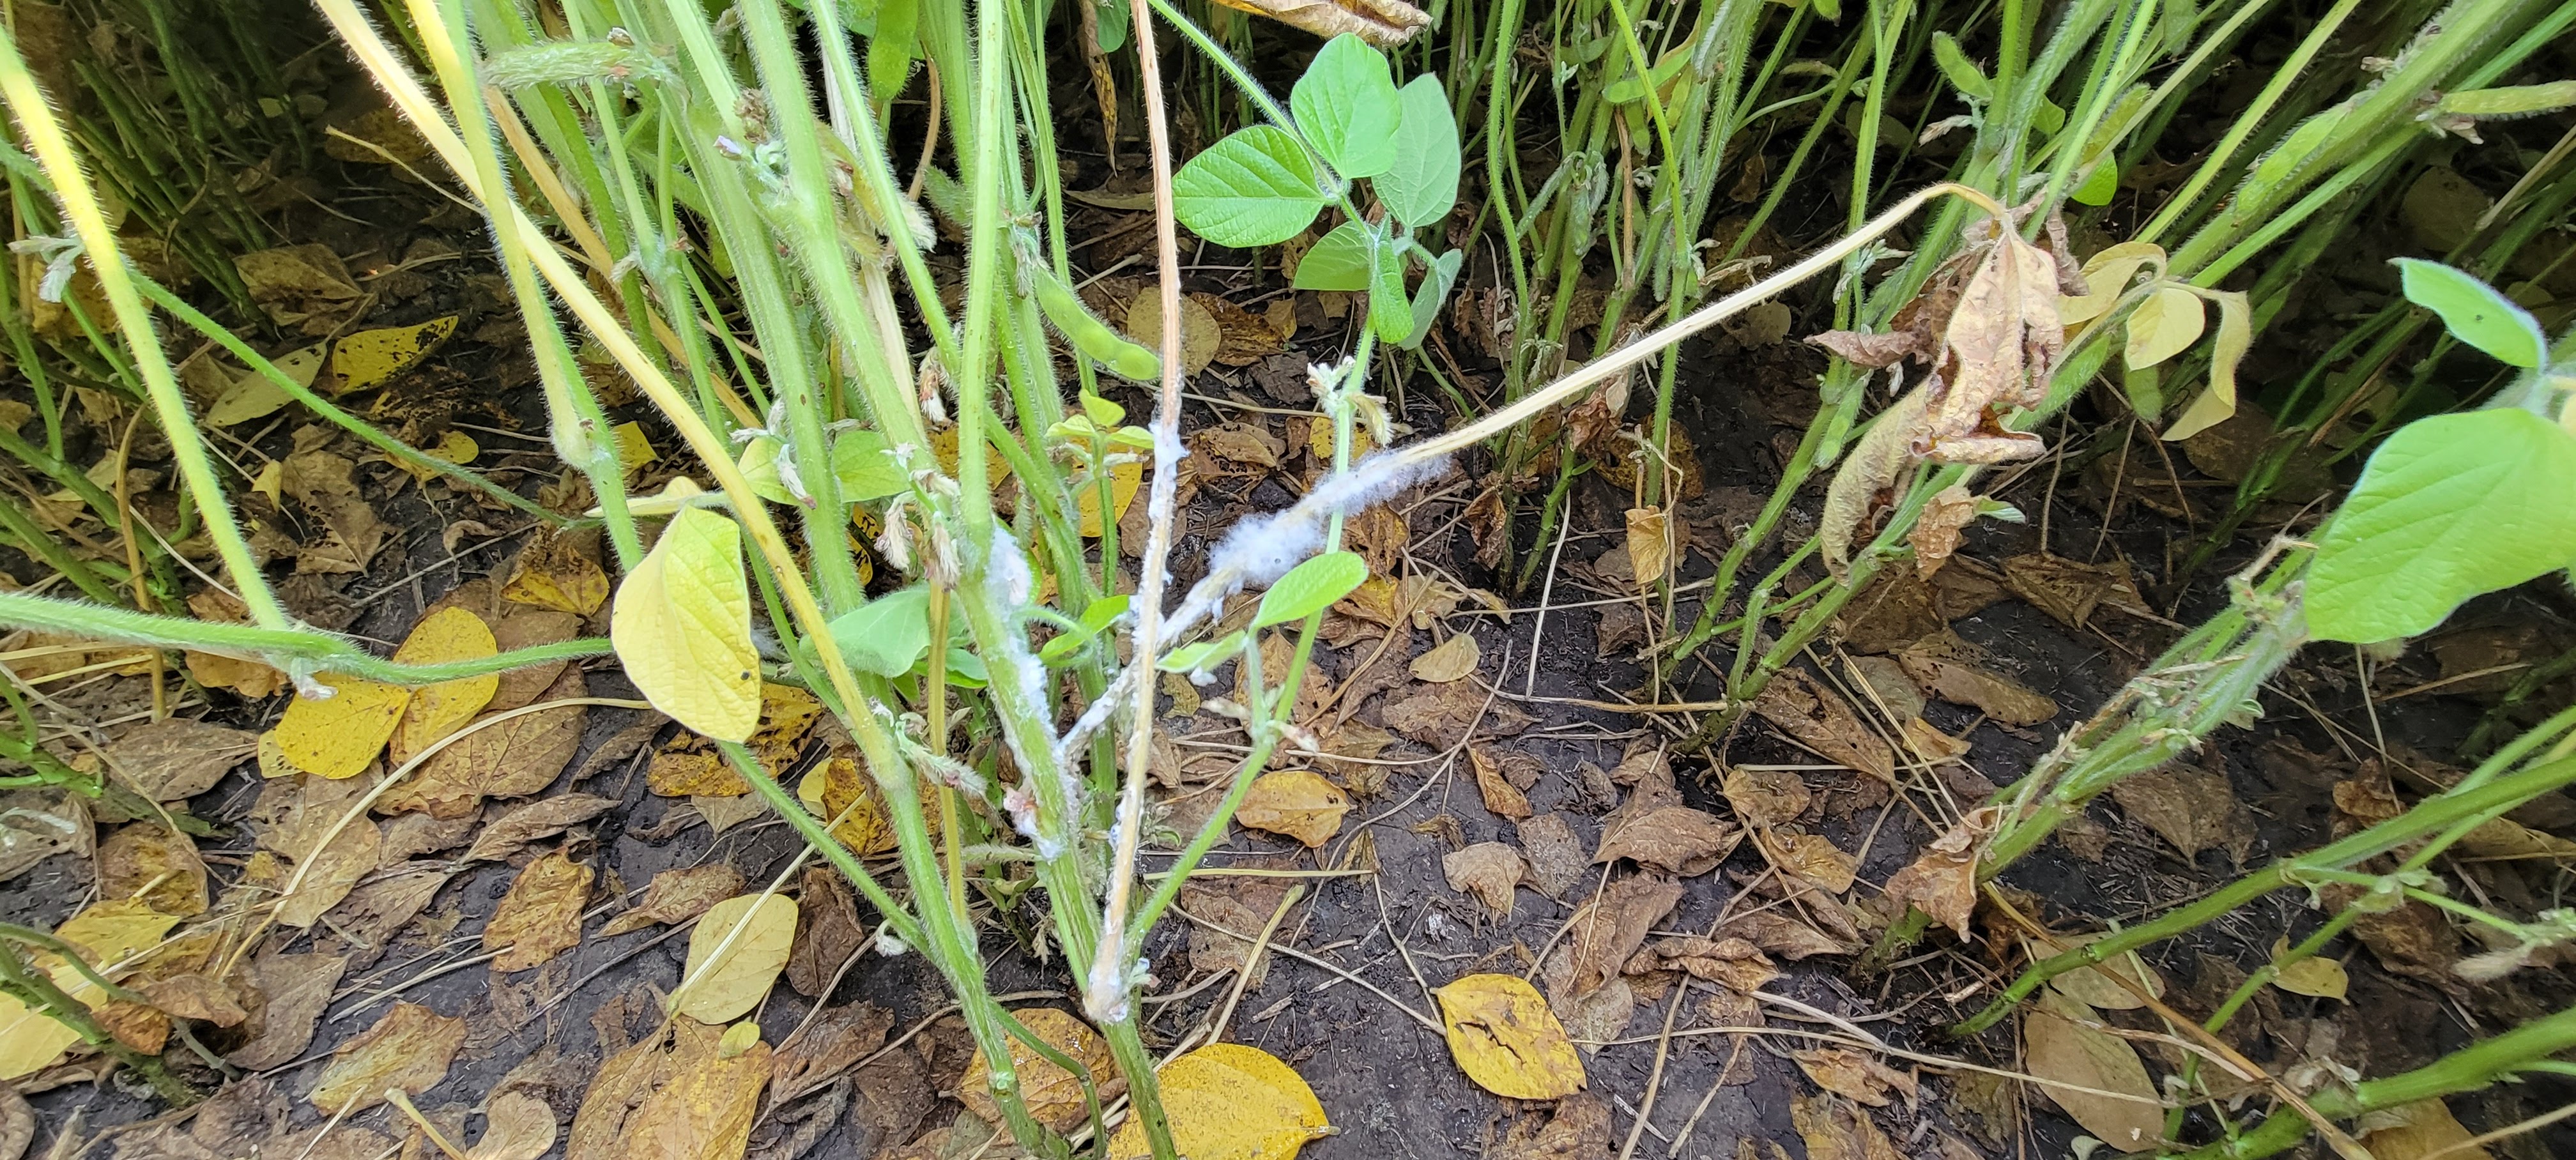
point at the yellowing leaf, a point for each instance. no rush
(1200, 334)
(1453, 659)
(2314, 975)
(371, 358)
(1124, 479)
(1298, 803)
(1054, 1095)
(271, 482)
(2062, 1047)
(2415, 1131)
(1227, 1101)
(253, 396)
(2106, 274)
(847, 799)
(633, 448)
(718, 989)
(517, 1126)
(456, 447)
(555, 573)
(1505, 1038)
(2217, 404)
(452, 633)
(107, 934)
(335, 737)
(682, 628)
(704, 1112)
(409, 1048)
(2099, 987)
(1650, 552)
(2164, 325)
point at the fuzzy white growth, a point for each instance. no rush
(887, 944)
(1006, 572)
(1104, 992)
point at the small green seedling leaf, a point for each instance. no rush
(1102, 412)
(1340, 260)
(887, 635)
(2164, 325)
(1428, 296)
(2475, 313)
(1962, 73)
(864, 469)
(2449, 507)
(1310, 588)
(1255, 188)
(1346, 107)
(1206, 654)
(759, 466)
(1421, 186)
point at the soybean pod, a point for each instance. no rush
(1094, 338)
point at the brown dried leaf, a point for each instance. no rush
(559, 571)
(681, 773)
(1578, 1129)
(1440, 715)
(1947, 667)
(828, 933)
(1501, 796)
(1245, 338)
(1677, 840)
(176, 758)
(516, 1126)
(1488, 870)
(2062, 1046)
(1942, 881)
(1296, 802)
(1610, 927)
(1764, 798)
(2002, 343)
(817, 1054)
(1555, 856)
(1936, 531)
(293, 991)
(521, 626)
(2192, 808)
(1384, 23)
(541, 915)
(1199, 333)
(1812, 859)
(676, 896)
(158, 865)
(512, 832)
(1452, 660)
(1874, 351)
(704, 1112)
(1730, 962)
(1782, 935)
(1054, 1095)
(1650, 548)
(409, 1048)
(2070, 590)
(1817, 716)
(1835, 1129)
(1861, 487)
(518, 757)
(1856, 1074)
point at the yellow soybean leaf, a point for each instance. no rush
(337, 736)
(633, 448)
(371, 358)
(848, 800)
(108, 934)
(1504, 1038)
(719, 988)
(681, 625)
(1124, 479)
(1298, 803)
(2164, 325)
(1227, 1101)
(2320, 977)
(2416, 1131)
(253, 396)
(449, 634)
(2106, 274)
(457, 447)
(2218, 404)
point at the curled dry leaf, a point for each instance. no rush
(1505, 1038)
(1764, 798)
(409, 1048)
(1835, 1129)
(1820, 720)
(2063, 1045)
(434, 711)
(1650, 546)
(1608, 929)
(1453, 659)
(294, 989)
(1733, 963)
(1942, 881)
(676, 896)
(175, 758)
(541, 915)
(1782, 935)
(2192, 808)
(1936, 531)
(1489, 870)
(1054, 1095)
(2002, 343)
(1231, 1101)
(1677, 840)
(718, 987)
(1861, 486)
(1856, 1074)
(2070, 590)
(821, 1051)
(1812, 859)
(828, 934)
(517, 757)
(1945, 666)
(512, 832)
(1296, 802)
(1384, 23)
(1501, 796)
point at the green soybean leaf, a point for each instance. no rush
(1094, 619)
(1345, 105)
(1428, 296)
(1310, 588)
(887, 635)
(2448, 507)
(1114, 21)
(865, 471)
(1390, 314)
(891, 48)
(1422, 185)
(1255, 188)
(2475, 313)
(1340, 260)
(1629, 88)
(1962, 73)
(1204, 654)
